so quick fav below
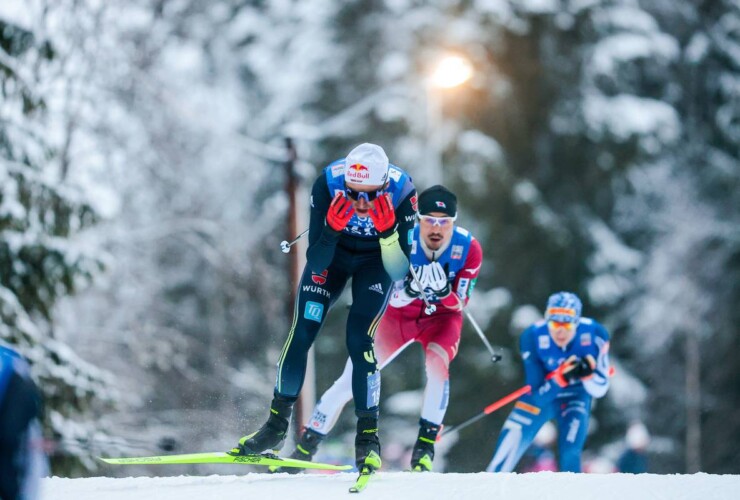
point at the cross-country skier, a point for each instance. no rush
(447, 260)
(22, 461)
(362, 215)
(566, 363)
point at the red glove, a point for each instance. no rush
(340, 212)
(383, 215)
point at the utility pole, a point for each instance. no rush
(291, 186)
(692, 340)
(308, 394)
(693, 402)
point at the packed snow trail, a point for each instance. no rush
(401, 485)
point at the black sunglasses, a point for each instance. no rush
(369, 196)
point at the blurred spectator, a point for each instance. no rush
(597, 464)
(634, 459)
(540, 456)
(22, 461)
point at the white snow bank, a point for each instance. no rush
(401, 485)
(624, 116)
(17, 13)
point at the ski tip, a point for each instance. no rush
(121, 461)
(342, 467)
(362, 480)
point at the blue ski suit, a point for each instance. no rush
(570, 406)
(22, 461)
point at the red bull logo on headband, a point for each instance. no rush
(357, 172)
(367, 165)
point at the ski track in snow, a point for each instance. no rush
(401, 485)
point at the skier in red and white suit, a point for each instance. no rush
(447, 260)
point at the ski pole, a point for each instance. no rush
(489, 409)
(431, 308)
(285, 245)
(495, 357)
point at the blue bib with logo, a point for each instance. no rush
(454, 256)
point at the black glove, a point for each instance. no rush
(574, 369)
(582, 368)
(411, 288)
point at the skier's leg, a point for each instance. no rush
(330, 405)
(518, 432)
(362, 324)
(313, 300)
(572, 432)
(395, 333)
(324, 416)
(370, 292)
(440, 337)
(436, 396)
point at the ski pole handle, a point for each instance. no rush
(285, 245)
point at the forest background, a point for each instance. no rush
(595, 149)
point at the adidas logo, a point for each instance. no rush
(377, 287)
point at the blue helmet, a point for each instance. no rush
(564, 307)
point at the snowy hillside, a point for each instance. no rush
(400, 485)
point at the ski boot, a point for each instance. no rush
(271, 436)
(367, 445)
(423, 453)
(304, 450)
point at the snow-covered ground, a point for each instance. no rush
(402, 486)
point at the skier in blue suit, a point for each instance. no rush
(566, 363)
(22, 460)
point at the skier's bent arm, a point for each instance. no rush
(543, 388)
(322, 239)
(598, 383)
(395, 247)
(462, 287)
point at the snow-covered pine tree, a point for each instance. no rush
(579, 100)
(40, 263)
(684, 211)
(194, 303)
(718, 180)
